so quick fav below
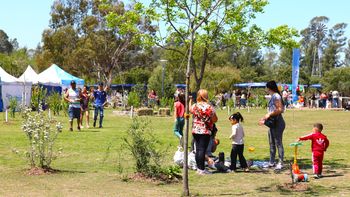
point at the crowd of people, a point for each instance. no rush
(203, 123)
(203, 129)
(79, 104)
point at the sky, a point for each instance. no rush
(25, 20)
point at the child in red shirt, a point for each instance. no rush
(319, 144)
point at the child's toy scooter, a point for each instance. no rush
(296, 175)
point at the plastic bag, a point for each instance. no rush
(179, 157)
(192, 161)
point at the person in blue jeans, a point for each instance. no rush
(100, 100)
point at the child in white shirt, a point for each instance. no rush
(237, 142)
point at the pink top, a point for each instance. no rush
(180, 109)
(202, 114)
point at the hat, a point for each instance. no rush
(100, 83)
(72, 82)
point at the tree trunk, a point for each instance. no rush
(186, 190)
(203, 63)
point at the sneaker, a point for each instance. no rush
(279, 166)
(87, 126)
(270, 165)
(70, 129)
(82, 126)
(317, 176)
(203, 172)
(246, 169)
(100, 126)
(78, 128)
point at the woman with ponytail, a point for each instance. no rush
(276, 125)
(237, 136)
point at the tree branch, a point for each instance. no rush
(208, 15)
(171, 23)
(171, 49)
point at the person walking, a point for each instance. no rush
(100, 100)
(85, 99)
(277, 124)
(72, 96)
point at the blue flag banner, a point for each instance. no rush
(295, 73)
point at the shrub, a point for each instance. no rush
(143, 146)
(55, 103)
(41, 137)
(134, 99)
(38, 97)
(13, 106)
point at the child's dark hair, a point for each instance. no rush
(181, 98)
(319, 126)
(237, 116)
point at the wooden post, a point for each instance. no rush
(132, 112)
(6, 115)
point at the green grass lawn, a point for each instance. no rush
(89, 161)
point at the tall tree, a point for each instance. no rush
(81, 40)
(335, 45)
(347, 54)
(197, 29)
(203, 28)
(5, 43)
(322, 46)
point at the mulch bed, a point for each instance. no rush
(41, 171)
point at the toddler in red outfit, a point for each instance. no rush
(319, 144)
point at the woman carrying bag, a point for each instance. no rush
(274, 120)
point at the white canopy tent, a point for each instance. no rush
(11, 87)
(29, 76)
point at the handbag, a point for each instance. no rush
(271, 122)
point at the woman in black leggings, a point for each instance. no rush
(204, 117)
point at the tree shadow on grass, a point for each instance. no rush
(328, 165)
(292, 189)
(48, 171)
(89, 131)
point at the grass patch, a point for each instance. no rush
(94, 163)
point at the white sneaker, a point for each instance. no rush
(203, 172)
(270, 165)
(279, 166)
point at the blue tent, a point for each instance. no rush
(250, 85)
(55, 76)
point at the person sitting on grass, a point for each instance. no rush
(237, 136)
(319, 144)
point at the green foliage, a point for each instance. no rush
(5, 43)
(220, 79)
(167, 102)
(96, 39)
(134, 99)
(13, 106)
(38, 97)
(54, 102)
(41, 138)
(137, 76)
(143, 146)
(205, 28)
(155, 82)
(337, 79)
(141, 91)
